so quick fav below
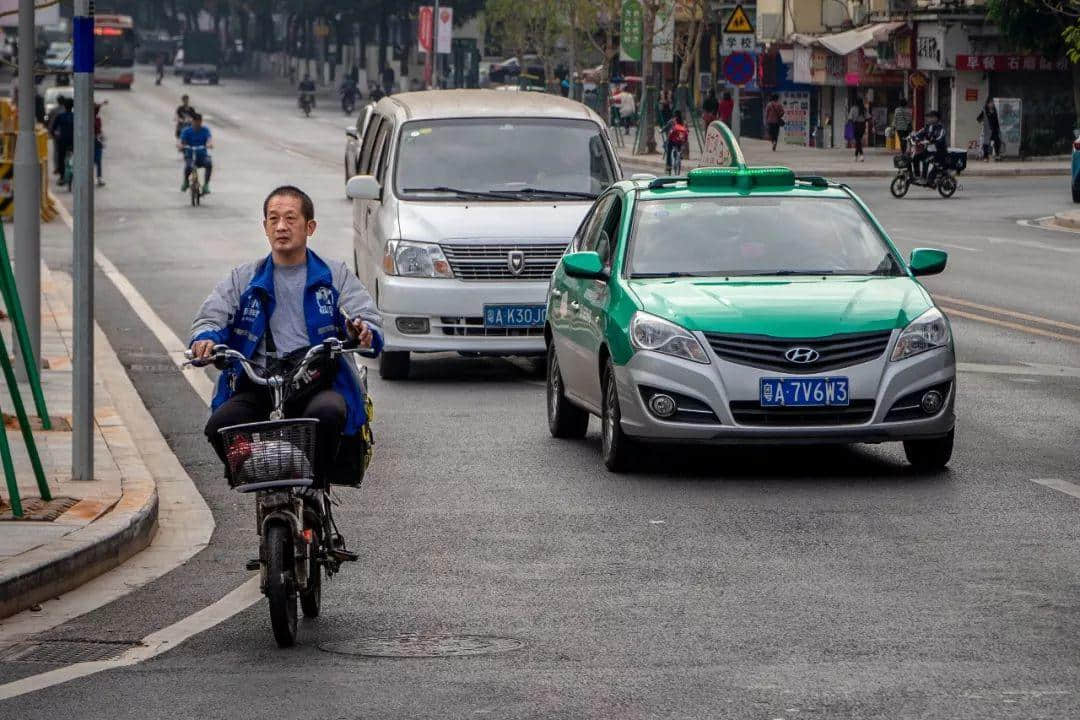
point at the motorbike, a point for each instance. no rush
(942, 179)
(348, 100)
(307, 101)
(274, 460)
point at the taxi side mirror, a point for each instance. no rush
(926, 261)
(584, 265)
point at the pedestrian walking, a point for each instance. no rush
(991, 130)
(63, 134)
(774, 118)
(726, 109)
(664, 110)
(857, 118)
(99, 142)
(901, 123)
(710, 107)
(627, 108)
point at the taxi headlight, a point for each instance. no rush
(408, 258)
(926, 332)
(649, 332)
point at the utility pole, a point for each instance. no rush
(82, 460)
(435, 42)
(28, 188)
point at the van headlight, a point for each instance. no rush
(415, 259)
(649, 332)
(926, 332)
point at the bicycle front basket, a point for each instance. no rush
(277, 453)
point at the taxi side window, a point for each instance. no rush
(590, 227)
(364, 167)
(609, 232)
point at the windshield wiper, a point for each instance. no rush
(785, 273)
(461, 192)
(646, 275)
(556, 193)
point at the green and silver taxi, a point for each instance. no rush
(745, 305)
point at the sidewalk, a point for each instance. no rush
(839, 162)
(89, 527)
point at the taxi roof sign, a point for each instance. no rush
(738, 22)
(742, 178)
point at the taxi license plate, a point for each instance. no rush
(804, 392)
(514, 316)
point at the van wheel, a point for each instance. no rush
(394, 365)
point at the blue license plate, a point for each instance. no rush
(804, 392)
(514, 316)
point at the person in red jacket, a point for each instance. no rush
(726, 109)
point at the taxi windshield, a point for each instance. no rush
(741, 236)
(515, 158)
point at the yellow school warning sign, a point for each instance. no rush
(739, 22)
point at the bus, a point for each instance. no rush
(114, 50)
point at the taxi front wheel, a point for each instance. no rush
(565, 420)
(930, 455)
(617, 448)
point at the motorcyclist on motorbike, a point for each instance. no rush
(307, 90)
(184, 113)
(349, 92)
(933, 134)
(272, 310)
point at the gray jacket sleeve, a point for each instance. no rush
(354, 299)
(217, 311)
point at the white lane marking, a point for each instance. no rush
(1030, 369)
(174, 346)
(916, 242)
(1060, 485)
(954, 246)
(1035, 244)
(153, 644)
(1044, 223)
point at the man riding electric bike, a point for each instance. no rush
(306, 101)
(936, 148)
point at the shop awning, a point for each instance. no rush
(849, 41)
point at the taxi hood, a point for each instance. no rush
(785, 307)
(488, 221)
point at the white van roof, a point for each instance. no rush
(434, 104)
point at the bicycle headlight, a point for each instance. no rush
(926, 332)
(408, 258)
(649, 332)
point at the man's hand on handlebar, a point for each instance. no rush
(202, 349)
(359, 329)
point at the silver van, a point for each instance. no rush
(464, 202)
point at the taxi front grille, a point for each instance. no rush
(750, 412)
(768, 352)
(497, 261)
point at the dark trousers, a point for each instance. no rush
(247, 406)
(199, 162)
(903, 135)
(995, 142)
(60, 151)
(858, 128)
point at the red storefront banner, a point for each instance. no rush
(1006, 63)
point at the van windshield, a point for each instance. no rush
(507, 158)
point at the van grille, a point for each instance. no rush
(474, 327)
(493, 262)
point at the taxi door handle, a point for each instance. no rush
(556, 294)
(575, 305)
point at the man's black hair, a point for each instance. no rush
(306, 206)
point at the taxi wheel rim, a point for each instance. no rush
(554, 388)
(611, 407)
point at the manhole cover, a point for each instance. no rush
(413, 645)
(64, 652)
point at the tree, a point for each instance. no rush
(600, 19)
(646, 140)
(536, 26)
(1049, 27)
(688, 44)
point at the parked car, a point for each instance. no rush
(464, 203)
(58, 56)
(1075, 175)
(742, 305)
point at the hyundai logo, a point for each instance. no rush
(515, 260)
(802, 355)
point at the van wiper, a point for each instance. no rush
(557, 193)
(462, 193)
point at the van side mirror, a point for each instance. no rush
(926, 261)
(351, 132)
(363, 187)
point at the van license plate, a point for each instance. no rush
(804, 392)
(514, 316)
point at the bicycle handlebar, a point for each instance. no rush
(333, 346)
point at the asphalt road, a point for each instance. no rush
(807, 583)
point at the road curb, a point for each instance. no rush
(1069, 219)
(125, 529)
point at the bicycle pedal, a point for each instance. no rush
(253, 564)
(344, 555)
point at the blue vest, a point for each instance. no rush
(323, 321)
